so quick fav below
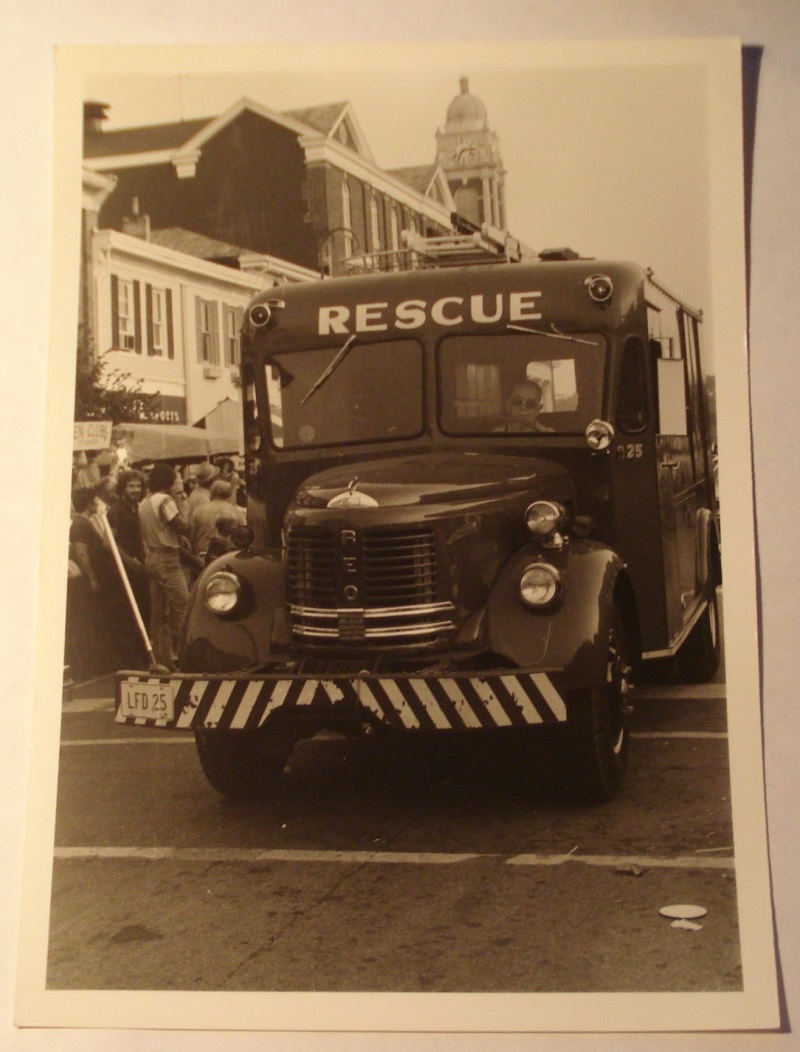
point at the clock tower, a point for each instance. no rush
(468, 152)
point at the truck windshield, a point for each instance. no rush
(373, 392)
(517, 383)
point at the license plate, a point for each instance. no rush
(153, 701)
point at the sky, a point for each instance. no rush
(611, 160)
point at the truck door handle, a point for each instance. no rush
(671, 464)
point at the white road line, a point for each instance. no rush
(162, 740)
(679, 734)
(190, 854)
(414, 858)
(81, 705)
(643, 861)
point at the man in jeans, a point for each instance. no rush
(161, 524)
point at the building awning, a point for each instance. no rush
(177, 442)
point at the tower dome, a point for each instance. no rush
(466, 112)
(468, 152)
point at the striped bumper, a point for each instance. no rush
(413, 703)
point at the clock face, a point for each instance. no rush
(463, 151)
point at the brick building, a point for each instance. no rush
(301, 186)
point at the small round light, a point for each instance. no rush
(600, 288)
(540, 585)
(599, 434)
(222, 593)
(543, 517)
(260, 315)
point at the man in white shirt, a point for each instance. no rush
(161, 524)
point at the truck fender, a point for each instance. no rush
(246, 638)
(571, 635)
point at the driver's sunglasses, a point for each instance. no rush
(524, 403)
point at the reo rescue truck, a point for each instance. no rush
(479, 496)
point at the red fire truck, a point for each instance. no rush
(479, 497)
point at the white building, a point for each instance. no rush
(171, 319)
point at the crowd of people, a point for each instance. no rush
(167, 524)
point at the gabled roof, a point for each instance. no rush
(322, 118)
(178, 135)
(154, 143)
(328, 119)
(192, 244)
(419, 177)
(181, 144)
(144, 139)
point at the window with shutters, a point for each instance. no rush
(233, 323)
(125, 316)
(159, 341)
(207, 346)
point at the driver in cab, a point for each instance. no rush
(522, 409)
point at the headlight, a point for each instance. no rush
(260, 315)
(540, 585)
(263, 314)
(223, 591)
(599, 434)
(544, 516)
(600, 288)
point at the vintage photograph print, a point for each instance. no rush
(402, 615)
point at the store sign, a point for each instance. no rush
(91, 434)
(165, 409)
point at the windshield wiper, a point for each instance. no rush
(555, 335)
(327, 372)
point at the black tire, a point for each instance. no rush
(598, 723)
(699, 657)
(243, 765)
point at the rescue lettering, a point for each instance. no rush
(448, 311)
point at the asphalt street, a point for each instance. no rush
(395, 868)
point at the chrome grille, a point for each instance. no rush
(399, 567)
(312, 566)
(398, 594)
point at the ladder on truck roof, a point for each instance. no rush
(481, 245)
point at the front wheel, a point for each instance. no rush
(243, 765)
(598, 722)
